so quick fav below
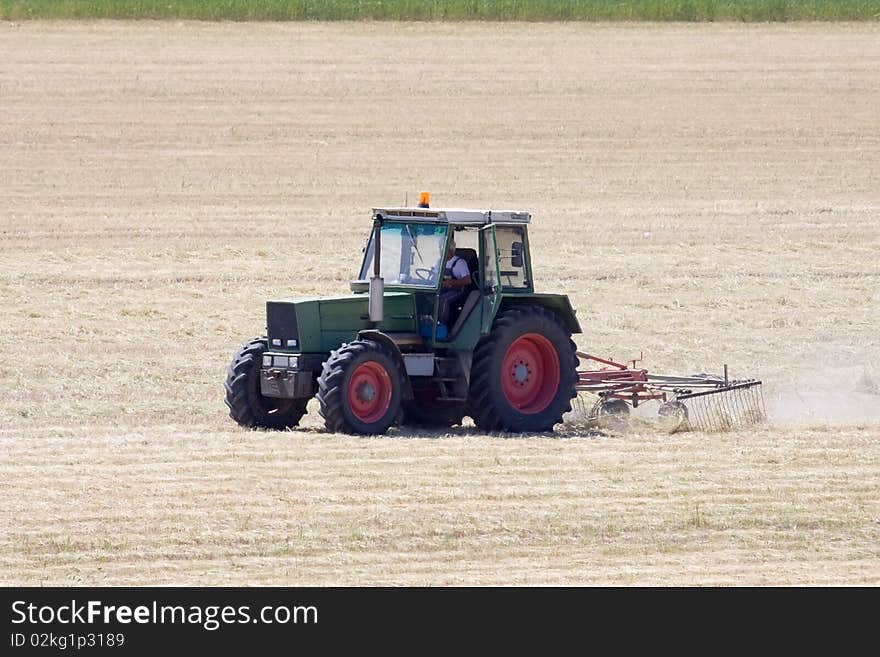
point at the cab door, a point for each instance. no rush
(489, 283)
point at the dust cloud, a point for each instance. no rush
(844, 394)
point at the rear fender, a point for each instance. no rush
(558, 303)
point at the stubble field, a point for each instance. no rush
(706, 194)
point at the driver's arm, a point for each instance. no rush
(464, 281)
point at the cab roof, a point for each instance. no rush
(456, 216)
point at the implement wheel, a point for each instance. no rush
(524, 372)
(673, 415)
(612, 414)
(360, 389)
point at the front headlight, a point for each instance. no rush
(267, 361)
(294, 362)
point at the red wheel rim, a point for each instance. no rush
(369, 392)
(530, 373)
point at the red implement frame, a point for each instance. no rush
(700, 401)
(617, 381)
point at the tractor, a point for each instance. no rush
(379, 356)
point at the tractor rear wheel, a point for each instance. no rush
(360, 389)
(247, 405)
(524, 372)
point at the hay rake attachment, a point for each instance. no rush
(703, 402)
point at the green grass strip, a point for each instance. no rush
(447, 10)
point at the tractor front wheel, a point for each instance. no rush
(524, 372)
(360, 389)
(247, 405)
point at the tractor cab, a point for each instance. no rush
(407, 251)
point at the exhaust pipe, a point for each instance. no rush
(377, 299)
(377, 283)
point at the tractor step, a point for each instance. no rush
(447, 368)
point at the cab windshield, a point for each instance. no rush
(411, 254)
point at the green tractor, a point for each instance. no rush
(380, 356)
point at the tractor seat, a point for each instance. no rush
(473, 263)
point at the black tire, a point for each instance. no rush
(247, 405)
(338, 396)
(490, 405)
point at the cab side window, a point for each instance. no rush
(511, 257)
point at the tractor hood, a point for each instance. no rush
(319, 325)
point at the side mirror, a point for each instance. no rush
(516, 254)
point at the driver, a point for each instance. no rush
(456, 281)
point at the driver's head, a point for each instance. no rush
(451, 251)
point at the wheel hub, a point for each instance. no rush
(530, 373)
(366, 392)
(521, 373)
(369, 391)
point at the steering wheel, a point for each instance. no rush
(424, 273)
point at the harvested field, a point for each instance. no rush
(704, 193)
